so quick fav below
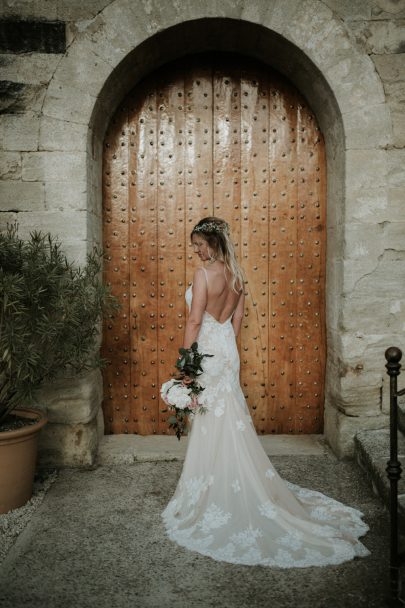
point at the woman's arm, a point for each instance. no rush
(238, 314)
(198, 305)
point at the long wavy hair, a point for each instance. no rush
(222, 246)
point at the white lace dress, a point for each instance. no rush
(230, 503)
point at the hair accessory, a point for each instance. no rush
(212, 227)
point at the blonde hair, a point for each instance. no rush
(217, 234)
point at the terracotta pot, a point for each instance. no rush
(18, 456)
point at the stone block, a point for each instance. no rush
(17, 98)
(100, 425)
(281, 15)
(391, 67)
(387, 278)
(354, 81)
(396, 169)
(393, 238)
(370, 205)
(398, 125)
(65, 445)
(340, 430)
(68, 103)
(380, 36)
(349, 10)
(363, 241)
(28, 68)
(368, 127)
(365, 169)
(73, 400)
(372, 315)
(77, 9)
(368, 348)
(35, 9)
(360, 391)
(388, 9)
(87, 75)
(354, 271)
(18, 196)
(113, 34)
(314, 28)
(54, 166)
(32, 35)
(61, 135)
(10, 165)
(19, 132)
(257, 12)
(69, 196)
(396, 202)
(76, 251)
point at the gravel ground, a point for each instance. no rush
(97, 540)
(14, 522)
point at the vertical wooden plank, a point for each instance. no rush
(311, 264)
(254, 237)
(171, 226)
(283, 201)
(198, 169)
(143, 246)
(226, 146)
(116, 343)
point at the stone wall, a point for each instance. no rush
(63, 77)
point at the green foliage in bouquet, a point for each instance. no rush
(178, 422)
(49, 315)
(189, 366)
(189, 362)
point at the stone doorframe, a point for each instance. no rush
(309, 44)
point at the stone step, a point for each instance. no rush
(372, 452)
(128, 449)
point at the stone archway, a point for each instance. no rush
(310, 45)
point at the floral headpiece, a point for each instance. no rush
(212, 227)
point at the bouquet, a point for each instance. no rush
(181, 393)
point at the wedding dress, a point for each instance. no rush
(230, 503)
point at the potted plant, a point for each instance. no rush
(49, 325)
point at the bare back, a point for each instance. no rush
(221, 298)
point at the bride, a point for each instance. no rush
(230, 503)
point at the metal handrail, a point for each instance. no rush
(393, 356)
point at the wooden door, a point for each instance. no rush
(229, 137)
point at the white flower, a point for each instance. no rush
(270, 473)
(166, 386)
(213, 518)
(293, 540)
(236, 485)
(219, 410)
(241, 425)
(268, 509)
(178, 395)
(247, 537)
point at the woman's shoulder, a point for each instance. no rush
(199, 273)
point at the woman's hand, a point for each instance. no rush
(187, 380)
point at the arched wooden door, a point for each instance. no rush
(221, 136)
